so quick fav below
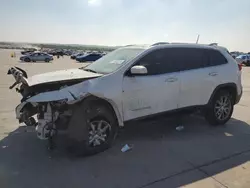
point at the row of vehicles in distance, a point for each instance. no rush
(31, 50)
(85, 57)
(34, 56)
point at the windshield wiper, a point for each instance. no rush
(90, 70)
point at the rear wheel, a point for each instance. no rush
(220, 110)
(92, 129)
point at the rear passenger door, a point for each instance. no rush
(94, 57)
(42, 57)
(220, 72)
(198, 78)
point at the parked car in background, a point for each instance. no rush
(243, 59)
(68, 52)
(88, 57)
(27, 51)
(75, 55)
(37, 56)
(56, 53)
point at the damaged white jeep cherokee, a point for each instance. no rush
(132, 82)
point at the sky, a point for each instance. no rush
(122, 22)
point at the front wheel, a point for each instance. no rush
(220, 110)
(27, 59)
(247, 63)
(92, 129)
(47, 60)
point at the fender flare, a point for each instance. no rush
(112, 104)
(224, 86)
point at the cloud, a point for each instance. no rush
(117, 22)
(94, 2)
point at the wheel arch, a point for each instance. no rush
(109, 103)
(231, 87)
(28, 58)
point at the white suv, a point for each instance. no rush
(127, 84)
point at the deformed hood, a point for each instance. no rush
(62, 75)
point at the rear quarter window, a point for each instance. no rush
(216, 58)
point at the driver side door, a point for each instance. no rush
(154, 92)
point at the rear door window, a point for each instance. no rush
(169, 60)
(190, 58)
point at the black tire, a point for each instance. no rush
(27, 59)
(47, 60)
(247, 63)
(212, 114)
(80, 128)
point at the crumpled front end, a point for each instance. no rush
(46, 118)
(48, 107)
(53, 109)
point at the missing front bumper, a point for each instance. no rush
(24, 111)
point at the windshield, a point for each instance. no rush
(112, 61)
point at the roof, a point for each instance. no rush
(184, 45)
(143, 46)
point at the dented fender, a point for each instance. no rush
(73, 94)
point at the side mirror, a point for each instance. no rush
(138, 70)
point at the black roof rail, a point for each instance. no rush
(159, 43)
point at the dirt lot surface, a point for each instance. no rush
(199, 156)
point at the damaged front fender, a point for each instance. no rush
(72, 95)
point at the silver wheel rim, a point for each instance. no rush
(223, 108)
(98, 132)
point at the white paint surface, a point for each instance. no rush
(61, 75)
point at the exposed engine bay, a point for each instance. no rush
(50, 100)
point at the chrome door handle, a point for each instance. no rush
(171, 80)
(213, 74)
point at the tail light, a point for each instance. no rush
(240, 66)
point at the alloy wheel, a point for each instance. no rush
(98, 132)
(223, 107)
